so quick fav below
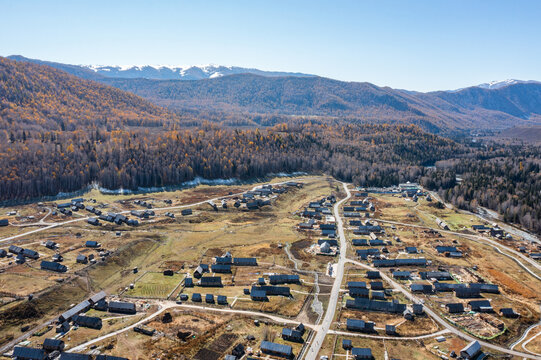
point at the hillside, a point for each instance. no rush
(43, 98)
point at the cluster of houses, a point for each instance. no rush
(53, 348)
(54, 264)
(144, 203)
(494, 231)
(223, 265)
(20, 254)
(318, 215)
(118, 219)
(68, 207)
(317, 210)
(98, 302)
(259, 197)
(499, 233)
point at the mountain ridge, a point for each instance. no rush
(515, 104)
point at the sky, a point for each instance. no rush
(407, 44)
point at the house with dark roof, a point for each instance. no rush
(356, 284)
(377, 295)
(486, 288)
(359, 242)
(360, 325)
(275, 349)
(245, 261)
(411, 249)
(480, 228)
(509, 313)
(292, 335)
(221, 268)
(421, 288)
(447, 287)
(122, 307)
(347, 344)
(110, 357)
(376, 285)
(50, 344)
(390, 329)
(418, 309)
(186, 212)
(49, 244)
(331, 242)
(471, 350)
(224, 260)
(210, 281)
(364, 253)
(15, 249)
(455, 308)
(400, 262)
(467, 293)
(361, 353)
(30, 254)
(221, 299)
(92, 244)
(91, 322)
(373, 305)
(445, 249)
(93, 221)
(271, 290)
(53, 266)
(77, 309)
(26, 353)
(357, 292)
(209, 299)
(284, 279)
(196, 297)
(481, 306)
(402, 275)
(258, 295)
(373, 275)
(81, 259)
(438, 275)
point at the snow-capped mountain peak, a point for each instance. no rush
(497, 84)
(167, 72)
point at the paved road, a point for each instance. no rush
(528, 341)
(525, 334)
(317, 341)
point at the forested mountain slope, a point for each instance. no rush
(43, 98)
(516, 104)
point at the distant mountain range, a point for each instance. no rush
(162, 72)
(496, 105)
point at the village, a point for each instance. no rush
(303, 268)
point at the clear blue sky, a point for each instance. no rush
(417, 45)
